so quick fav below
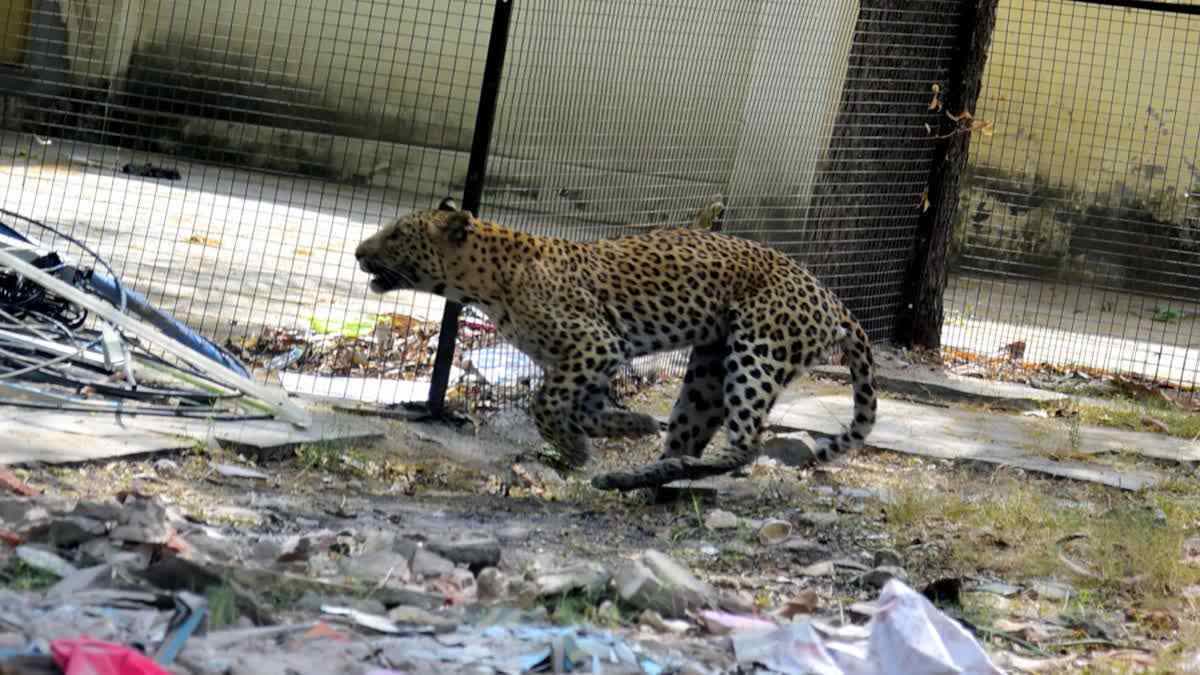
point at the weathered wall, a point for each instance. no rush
(14, 16)
(657, 78)
(1095, 149)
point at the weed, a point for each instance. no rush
(222, 606)
(20, 576)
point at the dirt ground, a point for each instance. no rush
(1051, 575)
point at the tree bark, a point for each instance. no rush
(921, 325)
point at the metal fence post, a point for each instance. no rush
(485, 118)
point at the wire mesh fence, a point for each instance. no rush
(227, 157)
(1078, 242)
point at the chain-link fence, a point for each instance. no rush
(227, 157)
(1078, 239)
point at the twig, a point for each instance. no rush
(1020, 642)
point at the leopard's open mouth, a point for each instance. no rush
(386, 278)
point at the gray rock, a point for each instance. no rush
(426, 563)
(376, 566)
(143, 521)
(879, 576)
(658, 583)
(588, 577)
(821, 519)
(108, 512)
(476, 551)
(791, 449)
(825, 568)
(67, 531)
(166, 467)
(718, 519)
(1052, 590)
(886, 557)
(805, 550)
(18, 513)
(490, 585)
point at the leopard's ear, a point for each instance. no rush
(455, 228)
(448, 204)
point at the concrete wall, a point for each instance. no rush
(1094, 168)
(1089, 97)
(692, 91)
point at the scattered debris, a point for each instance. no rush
(906, 633)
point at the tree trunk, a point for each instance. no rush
(921, 325)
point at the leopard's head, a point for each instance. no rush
(410, 252)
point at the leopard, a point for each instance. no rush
(752, 317)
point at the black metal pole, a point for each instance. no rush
(485, 118)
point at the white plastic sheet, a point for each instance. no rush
(907, 636)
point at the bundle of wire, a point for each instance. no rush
(50, 357)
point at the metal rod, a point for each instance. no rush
(485, 119)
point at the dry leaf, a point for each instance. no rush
(303, 252)
(924, 201)
(203, 241)
(806, 602)
(1156, 424)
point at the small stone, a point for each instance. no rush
(1052, 590)
(415, 616)
(657, 582)
(67, 532)
(791, 449)
(426, 563)
(654, 620)
(773, 532)
(143, 521)
(821, 519)
(588, 577)
(885, 557)
(718, 519)
(106, 512)
(18, 513)
(806, 551)
(879, 576)
(377, 566)
(825, 568)
(166, 467)
(490, 585)
(475, 551)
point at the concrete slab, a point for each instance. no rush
(939, 386)
(57, 438)
(63, 437)
(1031, 443)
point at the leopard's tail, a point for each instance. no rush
(856, 351)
